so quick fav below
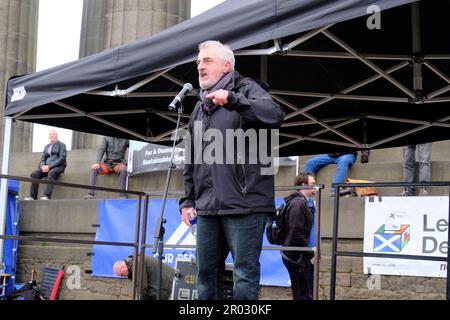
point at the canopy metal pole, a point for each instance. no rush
(309, 122)
(317, 253)
(4, 182)
(317, 133)
(442, 56)
(125, 92)
(89, 115)
(368, 63)
(329, 128)
(347, 90)
(437, 71)
(400, 135)
(345, 55)
(438, 99)
(165, 134)
(340, 143)
(438, 92)
(339, 96)
(324, 54)
(334, 243)
(100, 113)
(173, 79)
(412, 121)
(417, 51)
(305, 37)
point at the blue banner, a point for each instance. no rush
(10, 246)
(117, 220)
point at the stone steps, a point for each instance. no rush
(155, 181)
(62, 192)
(385, 166)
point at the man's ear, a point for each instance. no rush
(226, 66)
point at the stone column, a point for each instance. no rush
(110, 23)
(18, 42)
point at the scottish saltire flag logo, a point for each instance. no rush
(391, 240)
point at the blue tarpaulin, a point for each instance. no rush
(117, 220)
(9, 254)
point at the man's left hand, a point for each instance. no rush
(45, 168)
(219, 97)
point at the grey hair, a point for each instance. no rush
(225, 53)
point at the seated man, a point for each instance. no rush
(124, 268)
(52, 164)
(343, 161)
(114, 150)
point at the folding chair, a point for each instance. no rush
(51, 279)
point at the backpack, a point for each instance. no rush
(277, 225)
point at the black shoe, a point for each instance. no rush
(348, 192)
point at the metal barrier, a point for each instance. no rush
(335, 253)
(134, 244)
(142, 243)
(315, 250)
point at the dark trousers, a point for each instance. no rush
(240, 234)
(121, 171)
(52, 175)
(301, 279)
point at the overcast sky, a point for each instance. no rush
(58, 43)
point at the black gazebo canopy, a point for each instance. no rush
(348, 76)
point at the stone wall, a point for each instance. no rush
(18, 42)
(110, 23)
(351, 282)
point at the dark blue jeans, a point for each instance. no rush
(343, 162)
(242, 235)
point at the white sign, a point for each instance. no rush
(18, 94)
(406, 226)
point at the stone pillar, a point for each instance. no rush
(110, 23)
(18, 42)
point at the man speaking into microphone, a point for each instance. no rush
(231, 200)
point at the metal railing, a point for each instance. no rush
(140, 245)
(134, 244)
(315, 250)
(335, 253)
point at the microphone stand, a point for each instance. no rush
(158, 243)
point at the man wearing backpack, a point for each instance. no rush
(300, 218)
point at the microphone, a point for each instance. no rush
(180, 96)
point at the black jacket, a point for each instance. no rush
(232, 188)
(300, 221)
(57, 158)
(114, 150)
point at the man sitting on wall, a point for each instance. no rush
(53, 163)
(114, 150)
